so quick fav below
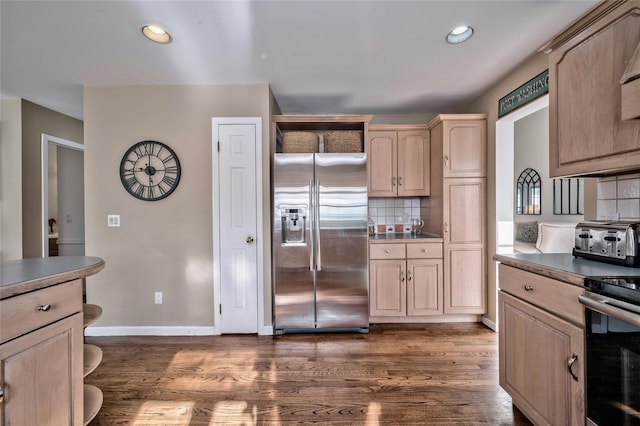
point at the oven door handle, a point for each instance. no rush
(600, 304)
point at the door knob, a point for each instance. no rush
(249, 239)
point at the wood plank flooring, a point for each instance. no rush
(428, 374)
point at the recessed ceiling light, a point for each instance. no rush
(459, 34)
(157, 34)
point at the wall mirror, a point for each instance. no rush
(528, 192)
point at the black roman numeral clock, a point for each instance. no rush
(150, 171)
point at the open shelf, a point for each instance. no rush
(91, 313)
(92, 402)
(92, 358)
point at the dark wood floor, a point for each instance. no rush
(396, 374)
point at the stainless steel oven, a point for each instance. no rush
(612, 308)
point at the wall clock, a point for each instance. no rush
(150, 171)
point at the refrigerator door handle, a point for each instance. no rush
(311, 221)
(317, 223)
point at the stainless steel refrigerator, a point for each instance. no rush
(320, 242)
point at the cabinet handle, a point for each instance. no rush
(393, 181)
(400, 181)
(528, 287)
(402, 276)
(446, 160)
(446, 227)
(409, 276)
(1, 396)
(573, 359)
(44, 308)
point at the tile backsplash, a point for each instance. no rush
(619, 197)
(393, 215)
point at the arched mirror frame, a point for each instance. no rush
(528, 192)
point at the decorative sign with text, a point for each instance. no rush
(532, 89)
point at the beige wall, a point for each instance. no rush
(10, 179)
(402, 118)
(165, 245)
(37, 120)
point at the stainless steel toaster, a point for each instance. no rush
(612, 242)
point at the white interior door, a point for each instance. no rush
(238, 236)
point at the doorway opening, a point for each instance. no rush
(62, 196)
(505, 148)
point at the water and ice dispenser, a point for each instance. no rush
(294, 223)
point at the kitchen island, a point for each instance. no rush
(41, 341)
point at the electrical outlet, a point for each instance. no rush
(113, 220)
(158, 298)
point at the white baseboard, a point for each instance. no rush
(492, 325)
(267, 330)
(150, 331)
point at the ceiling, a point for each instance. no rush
(320, 57)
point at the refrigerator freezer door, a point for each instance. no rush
(341, 279)
(293, 259)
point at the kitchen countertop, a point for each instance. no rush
(564, 267)
(385, 238)
(24, 275)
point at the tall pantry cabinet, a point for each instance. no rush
(456, 208)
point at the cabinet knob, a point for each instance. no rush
(424, 250)
(1, 396)
(528, 287)
(387, 251)
(44, 308)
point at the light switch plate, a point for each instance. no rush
(113, 220)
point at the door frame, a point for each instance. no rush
(44, 181)
(257, 122)
(505, 187)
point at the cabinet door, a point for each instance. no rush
(41, 376)
(464, 279)
(464, 148)
(413, 163)
(464, 211)
(381, 149)
(424, 287)
(387, 288)
(535, 348)
(586, 133)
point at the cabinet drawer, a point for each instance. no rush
(387, 251)
(424, 251)
(20, 314)
(551, 295)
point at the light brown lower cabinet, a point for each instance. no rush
(41, 376)
(405, 279)
(541, 353)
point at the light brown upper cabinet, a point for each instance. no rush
(398, 160)
(463, 140)
(587, 135)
